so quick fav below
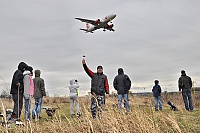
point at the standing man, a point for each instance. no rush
(119, 84)
(39, 92)
(157, 95)
(185, 84)
(99, 86)
(17, 90)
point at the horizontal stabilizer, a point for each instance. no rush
(86, 30)
(112, 29)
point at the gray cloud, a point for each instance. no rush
(153, 40)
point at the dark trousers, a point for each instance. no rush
(17, 109)
(96, 104)
(187, 98)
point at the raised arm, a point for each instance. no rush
(87, 70)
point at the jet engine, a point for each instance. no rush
(97, 21)
(110, 26)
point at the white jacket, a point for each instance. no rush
(28, 84)
(73, 88)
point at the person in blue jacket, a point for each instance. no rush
(157, 95)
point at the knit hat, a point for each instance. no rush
(99, 67)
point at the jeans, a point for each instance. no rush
(27, 107)
(158, 100)
(126, 102)
(187, 97)
(37, 107)
(18, 103)
(74, 99)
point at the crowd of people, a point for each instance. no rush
(25, 87)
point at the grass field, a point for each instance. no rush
(141, 119)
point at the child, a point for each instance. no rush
(74, 97)
(28, 91)
(157, 96)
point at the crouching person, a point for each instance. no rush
(74, 97)
(39, 92)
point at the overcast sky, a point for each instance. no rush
(153, 40)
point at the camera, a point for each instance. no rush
(76, 80)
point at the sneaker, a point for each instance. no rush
(19, 123)
(33, 117)
(78, 114)
(156, 109)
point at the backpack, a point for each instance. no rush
(127, 83)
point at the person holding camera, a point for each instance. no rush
(73, 88)
(185, 84)
(99, 89)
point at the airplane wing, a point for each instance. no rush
(93, 22)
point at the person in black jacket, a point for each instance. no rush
(17, 90)
(185, 84)
(119, 85)
(157, 95)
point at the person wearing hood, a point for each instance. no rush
(17, 90)
(28, 91)
(185, 84)
(99, 86)
(119, 84)
(73, 88)
(39, 92)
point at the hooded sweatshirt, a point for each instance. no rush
(73, 88)
(119, 82)
(39, 87)
(18, 78)
(184, 82)
(28, 84)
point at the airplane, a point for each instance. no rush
(99, 23)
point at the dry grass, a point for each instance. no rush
(141, 119)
